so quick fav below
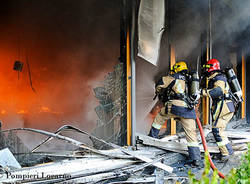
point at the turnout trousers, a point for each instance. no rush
(189, 127)
(221, 139)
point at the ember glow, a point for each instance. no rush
(48, 110)
(22, 112)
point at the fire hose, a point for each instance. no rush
(205, 147)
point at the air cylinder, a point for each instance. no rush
(194, 86)
(234, 84)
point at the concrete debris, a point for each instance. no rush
(11, 140)
(8, 160)
(118, 164)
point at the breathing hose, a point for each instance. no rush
(205, 147)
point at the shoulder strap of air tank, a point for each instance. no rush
(216, 121)
(215, 78)
(179, 76)
(222, 103)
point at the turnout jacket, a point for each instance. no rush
(177, 91)
(218, 90)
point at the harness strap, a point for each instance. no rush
(216, 121)
(222, 103)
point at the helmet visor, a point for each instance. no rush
(206, 66)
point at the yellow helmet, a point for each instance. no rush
(179, 66)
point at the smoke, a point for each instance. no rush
(230, 18)
(189, 21)
(70, 46)
(230, 27)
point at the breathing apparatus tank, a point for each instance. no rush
(234, 85)
(194, 86)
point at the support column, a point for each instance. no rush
(243, 85)
(130, 77)
(133, 75)
(206, 100)
(172, 62)
(129, 120)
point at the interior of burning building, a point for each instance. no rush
(61, 62)
(60, 47)
(196, 30)
(65, 96)
(61, 66)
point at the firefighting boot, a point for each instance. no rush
(229, 148)
(194, 157)
(224, 153)
(154, 132)
(230, 151)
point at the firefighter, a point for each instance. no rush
(222, 106)
(172, 90)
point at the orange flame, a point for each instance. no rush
(22, 111)
(156, 109)
(44, 109)
(3, 112)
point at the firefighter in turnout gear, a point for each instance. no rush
(172, 90)
(222, 106)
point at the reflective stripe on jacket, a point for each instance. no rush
(218, 90)
(178, 106)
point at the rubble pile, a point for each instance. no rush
(87, 164)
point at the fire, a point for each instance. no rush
(156, 109)
(3, 112)
(54, 86)
(22, 112)
(44, 109)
